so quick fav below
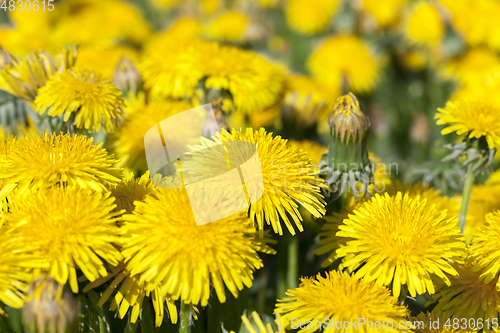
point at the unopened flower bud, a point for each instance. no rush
(348, 122)
(126, 76)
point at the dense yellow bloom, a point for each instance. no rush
(425, 25)
(25, 76)
(340, 297)
(230, 26)
(290, 179)
(129, 294)
(484, 199)
(474, 119)
(167, 248)
(345, 58)
(477, 21)
(385, 12)
(129, 137)
(70, 227)
(185, 28)
(330, 241)
(307, 100)
(494, 178)
(103, 59)
(176, 68)
(468, 296)
(476, 66)
(313, 150)
(402, 240)
(441, 320)
(310, 17)
(92, 100)
(44, 161)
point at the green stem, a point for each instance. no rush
(469, 181)
(102, 326)
(282, 263)
(147, 318)
(131, 327)
(185, 318)
(293, 262)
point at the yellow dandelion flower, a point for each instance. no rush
(175, 69)
(86, 96)
(385, 12)
(44, 161)
(474, 119)
(329, 241)
(24, 77)
(290, 179)
(308, 101)
(72, 228)
(484, 249)
(50, 307)
(167, 248)
(310, 17)
(478, 92)
(476, 21)
(91, 58)
(494, 178)
(476, 66)
(313, 150)
(401, 240)
(130, 190)
(468, 296)
(14, 275)
(185, 28)
(339, 297)
(484, 199)
(424, 25)
(129, 294)
(422, 324)
(354, 63)
(230, 26)
(128, 140)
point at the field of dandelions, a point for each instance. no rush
(376, 124)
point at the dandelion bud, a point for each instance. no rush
(126, 76)
(5, 58)
(50, 308)
(347, 159)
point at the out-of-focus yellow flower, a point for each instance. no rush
(308, 101)
(479, 93)
(185, 28)
(313, 150)
(468, 296)
(103, 59)
(129, 137)
(385, 12)
(72, 228)
(484, 199)
(309, 17)
(477, 66)
(340, 298)
(414, 60)
(345, 60)
(474, 119)
(477, 21)
(25, 76)
(86, 98)
(167, 3)
(50, 307)
(230, 26)
(268, 3)
(170, 251)
(175, 69)
(209, 6)
(412, 240)
(37, 162)
(424, 25)
(129, 293)
(290, 179)
(494, 178)
(256, 118)
(85, 24)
